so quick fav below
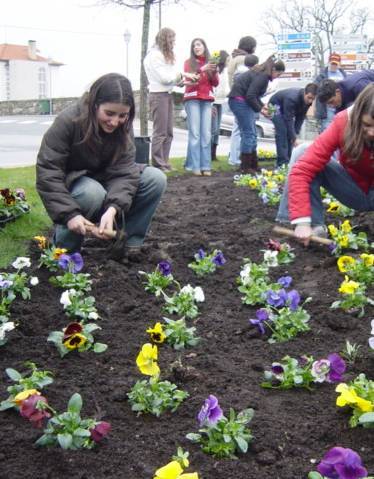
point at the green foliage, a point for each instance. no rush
(285, 324)
(205, 263)
(179, 335)
(154, 396)
(156, 282)
(227, 436)
(37, 379)
(293, 375)
(77, 281)
(80, 306)
(68, 429)
(351, 352)
(183, 303)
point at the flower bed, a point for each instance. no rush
(12, 205)
(292, 429)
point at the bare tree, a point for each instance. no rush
(323, 18)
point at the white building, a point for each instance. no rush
(25, 75)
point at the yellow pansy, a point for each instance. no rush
(346, 227)
(343, 241)
(157, 333)
(368, 259)
(57, 252)
(279, 177)
(333, 207)
(268, 173)
(333, 230)
(345, 263)
(348, 396)
(271, 184)
(42, 241)
(75, 341)
(174, 470)
(348, 286)
(147, 360)
(252, 183)
(20, 397)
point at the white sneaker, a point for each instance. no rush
(320, 231)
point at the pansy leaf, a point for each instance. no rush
(242, 443)
(194, 437)
(88, 328)
(81, 432)
(314, 475)
(367, 418)
(65, 440)
(245, 416)
(100, 347)
(13, 374)
(75, 403)
(6, 405)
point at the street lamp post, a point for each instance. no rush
(127, 38)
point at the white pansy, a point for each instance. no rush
(188, 289)
(34, 281)
(199, 294)
(5, 328)
(245, 274)
(271, 258)
(21, 262)
(65, 297)
(372, 326)
(93, 315)
(371, 342)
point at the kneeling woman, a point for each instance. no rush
(86, 170)
(350, 180)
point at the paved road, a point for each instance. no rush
(20, 138)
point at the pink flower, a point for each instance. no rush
(30, 410)
(100, 431)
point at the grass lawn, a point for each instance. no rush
(15, 236)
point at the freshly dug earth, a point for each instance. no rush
(292, 429)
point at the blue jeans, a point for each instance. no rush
(330, 113)
(199, 124)
(90, 196)
(282, 140)
(246, 118)
(337, 181)
(234, 158)
(216, 122)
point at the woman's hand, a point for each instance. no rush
(79, 224)
(106, 222)
(209, 67)
(303, 232)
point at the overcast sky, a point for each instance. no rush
(88, 38)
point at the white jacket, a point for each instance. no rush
(222, 90)
(162, 76)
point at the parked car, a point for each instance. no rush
(264, 126)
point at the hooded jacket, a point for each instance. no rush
(251, 86)
(62, 159)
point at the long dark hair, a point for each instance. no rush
(109, 88)
(223, 55)
(269, 65)
(193, 61)
(354, 134)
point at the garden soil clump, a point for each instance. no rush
(292, 429)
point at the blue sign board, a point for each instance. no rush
(289, 37)
(294, 46)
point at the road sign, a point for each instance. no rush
(295, 49)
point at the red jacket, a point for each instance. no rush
(203, 89)
(314, 160)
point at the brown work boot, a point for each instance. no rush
(254, 162)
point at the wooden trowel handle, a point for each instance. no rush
(287, 232)
(110, 233)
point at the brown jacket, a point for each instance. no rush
(62, 159)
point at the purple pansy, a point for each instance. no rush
(200, 254)
(341, 463)
(219, 259)
(285, 281)
(5, 283)
(262, 315)
(71, 262)
(164, 267)
(332, 247)
(210, 412)
(320, 370)
(100, 431)
(293, 300)
(277, 369)
(276, 298)
(337, 368)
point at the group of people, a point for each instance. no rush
(89, 181)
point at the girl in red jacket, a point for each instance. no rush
(350, 179)
(198, 99)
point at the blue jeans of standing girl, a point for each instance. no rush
(199, 123)
(246, 118)
(335, 179)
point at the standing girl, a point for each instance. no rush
(245, 102)
(198, 99)
(162, 74)
(86, 170)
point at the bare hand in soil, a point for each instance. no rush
(79, 224)
(303, 234)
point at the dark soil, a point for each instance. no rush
(291, 428)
